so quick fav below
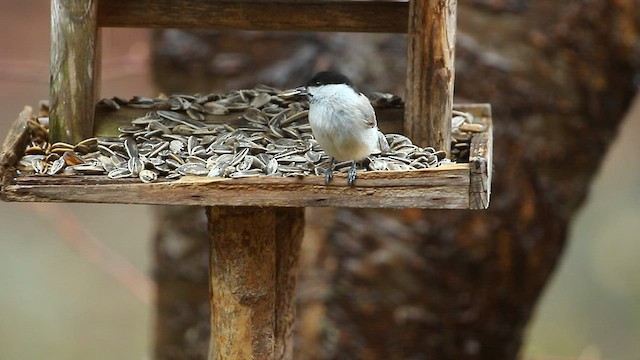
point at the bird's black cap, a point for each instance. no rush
(329, 77)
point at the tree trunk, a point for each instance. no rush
(416, 284)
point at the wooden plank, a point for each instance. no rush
(430, 72)
(13, 147)
(477, 110)
(445, 187)
(481, 166)
(75, 69)
(275, 15)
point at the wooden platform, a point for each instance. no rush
(456, 186)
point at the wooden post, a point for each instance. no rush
(253, 267)
(75, 69)
(430, 72)
(289, 234)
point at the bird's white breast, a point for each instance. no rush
(339, 123)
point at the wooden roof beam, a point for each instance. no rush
(276, 15)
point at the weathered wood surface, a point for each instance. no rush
(446, 187)
(286, 15)
(290, 223)
(254, 257)
(13, 146)
(480, 167)
(75, 69)
(477, 110)
(430, 72)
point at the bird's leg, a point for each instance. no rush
(328, 175)
(352, 174)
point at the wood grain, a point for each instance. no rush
(278, 15)
(477, 110)
(430, 72)
(13, 147)
(75, 69)
(446, 187)
(289, 234)
(481, 167)
(254, 266)
(243, 282)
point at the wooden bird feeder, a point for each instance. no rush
(256, 224)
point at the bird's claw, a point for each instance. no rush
(351, 179)
(328, 176)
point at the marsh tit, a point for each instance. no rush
(343, 121)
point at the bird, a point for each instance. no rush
(342, 121)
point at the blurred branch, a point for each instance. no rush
(80, 239)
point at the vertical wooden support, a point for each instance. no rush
(430, 72)
(75, 69)
(289, 234)
(254, 258)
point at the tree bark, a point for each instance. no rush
(463, 285)
(415, 284)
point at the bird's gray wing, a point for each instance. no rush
(368, 114)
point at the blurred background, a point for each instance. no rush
(74, 278)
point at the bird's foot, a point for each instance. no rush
(351, 179)
(328, 175)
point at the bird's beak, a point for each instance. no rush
(301, 90)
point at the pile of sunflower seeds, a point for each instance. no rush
(179, 136)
